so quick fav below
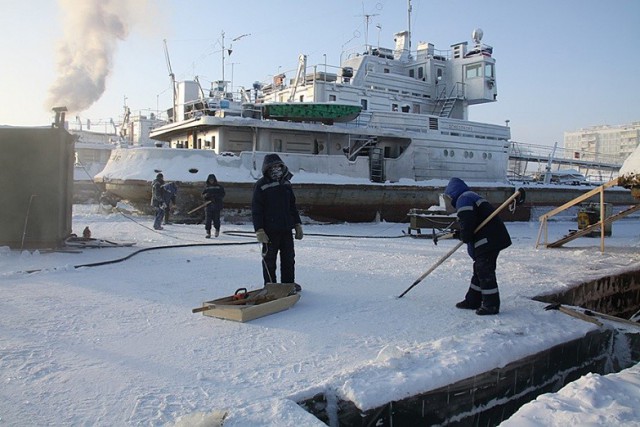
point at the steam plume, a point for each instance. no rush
(92, 30)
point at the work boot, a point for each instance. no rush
(467, 305)
(486, 310)
(208, 236)
(217, 232)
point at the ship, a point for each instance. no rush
(378, 132)
(372, 138)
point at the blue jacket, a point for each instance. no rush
(273, 206)
(472, 210)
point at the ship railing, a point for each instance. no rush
(422, 54)
(529, 159)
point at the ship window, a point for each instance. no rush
(364, 104)
(332, 97)
(488, 70)
(213, 142)
(385, 71)
(412, 73)
(394, 107)
(473, 70)
(439, 74)
(277, 145)
(420, 72)
(301, 98)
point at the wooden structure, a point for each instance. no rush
(246, 306)
(604, 220)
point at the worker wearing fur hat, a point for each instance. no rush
(275, 214)
(483, 246)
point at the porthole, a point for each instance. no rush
(446, 153)
(484, 156)
(193, 170)
(489, 155)
(471, 154)
(466, 154)
(451, 153)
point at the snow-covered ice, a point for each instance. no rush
(117, 344)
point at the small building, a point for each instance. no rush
(36, 184)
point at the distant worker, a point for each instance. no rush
(483, 247)
(170, 189)
(213, 193)
(157, 201)
(274, 215)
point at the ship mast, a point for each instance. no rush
(409, 23)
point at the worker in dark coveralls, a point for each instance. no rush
(170, 191)
(157, 200)
(275, 214)
(213, 193)
(483, 247)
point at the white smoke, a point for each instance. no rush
(92, 30)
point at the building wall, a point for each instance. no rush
(611, 144)
(36, 183)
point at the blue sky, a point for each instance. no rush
(561, 65)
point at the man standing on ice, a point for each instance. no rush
(483, 247)
(275, 214)
(157, 201)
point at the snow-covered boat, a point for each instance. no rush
(390, 123)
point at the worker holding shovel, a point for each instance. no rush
(483, 245)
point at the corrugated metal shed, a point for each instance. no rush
(36, 186)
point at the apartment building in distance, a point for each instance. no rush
(604, 143)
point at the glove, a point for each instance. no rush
(262, 236)
(299, 232)
(456, 234)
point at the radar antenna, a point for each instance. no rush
(476, 35)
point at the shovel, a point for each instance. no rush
(518, 196)
(199, 207)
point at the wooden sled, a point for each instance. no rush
(244, 306)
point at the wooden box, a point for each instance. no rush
(244, 307)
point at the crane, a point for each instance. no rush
(173, 81)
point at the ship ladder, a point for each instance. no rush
(376, 165)
(447, 107)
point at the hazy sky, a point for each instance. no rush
(561, 64)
